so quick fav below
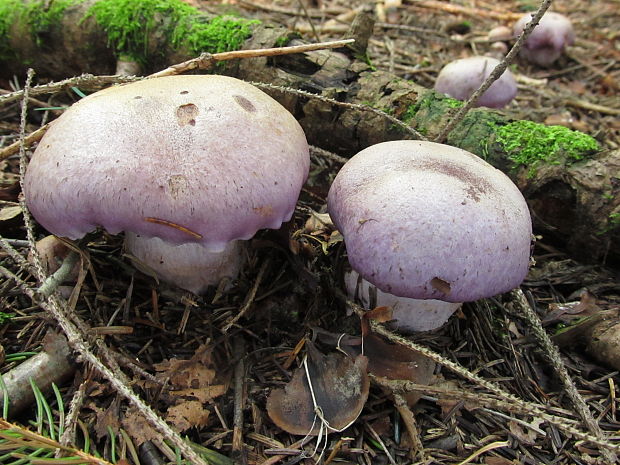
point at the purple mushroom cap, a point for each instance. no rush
(188, 159)
(548, 40)
(430, 221)
(461, 78)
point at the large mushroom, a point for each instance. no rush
(186, 166)
(423, 220)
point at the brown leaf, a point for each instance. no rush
(526, 436)
(187, 414)
(138, 428)
(395, 361)
(566, 312)
(203, 394)
(340, 386)
(195, 373)
(108, 418)
(318, 223)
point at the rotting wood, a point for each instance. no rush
(575, 203)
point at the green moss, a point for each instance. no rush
(528, 143)
(37, 18)
(453, 103)
(43, 15)
(128, 23)
(410, 113)
(282, 41)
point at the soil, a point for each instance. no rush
(290, 287)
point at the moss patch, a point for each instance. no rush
(129, 22)
(35, 17)
(528, 143)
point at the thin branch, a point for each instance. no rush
(496, 73)
(206, 60)
(52, 282)
(249, 300)
(521, 407)
(85, 81)
(554, 357)
(27, 141)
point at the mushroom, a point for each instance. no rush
(461, 78)
(186, 166)
(548, 40)
(423, 220)
(500, 33)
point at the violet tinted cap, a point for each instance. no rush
(204, 159)
(431, 221)
(548, 39)
(461, 78)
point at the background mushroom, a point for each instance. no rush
(185, 165)
(429, 221)
(548, 40)
(461, 78)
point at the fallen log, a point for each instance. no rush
(571, 185)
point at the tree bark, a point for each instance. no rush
(576, 204)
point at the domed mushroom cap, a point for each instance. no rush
(461, 78)
(430, 221)
(548, 40)
(205, 159)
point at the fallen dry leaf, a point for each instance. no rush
(138, 428)
(392, 361)
(566, 312)
(525, 436)
(194, 372)
(108, 418)
(187, 414)
(9, 211)
(340, 386)
(190, 385)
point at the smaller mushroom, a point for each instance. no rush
(461, 78)
(500, 33)
(548, 40)
(428, 221)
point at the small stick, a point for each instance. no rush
(409, 420)
(206, 60)
(30, 139)
(593, 107)
(59, 276)
(249, 299)
(51, 365)
(77, 401)
(85, 81)
(460, 9)
(238, 451)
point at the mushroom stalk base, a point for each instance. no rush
(409, 315)
(189, 266)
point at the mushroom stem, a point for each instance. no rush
(190, 266)
(408, 314)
